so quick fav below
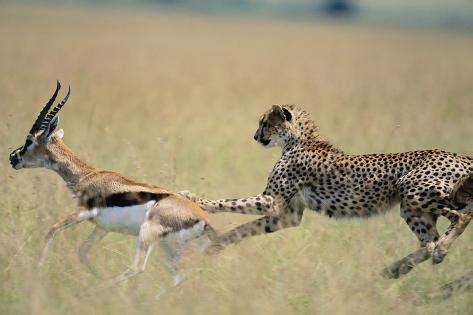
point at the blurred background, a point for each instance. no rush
(454, 14)
(170, 92)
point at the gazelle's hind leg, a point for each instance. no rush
(96, 235)
(71, 220)
(175, 249)
(149, 232)
(208, 239)
(171, 261)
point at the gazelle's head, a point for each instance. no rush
(34, 152)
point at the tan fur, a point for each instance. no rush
(82, 176)
(84, 179)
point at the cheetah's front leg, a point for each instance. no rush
(288, 217)
(260, 205)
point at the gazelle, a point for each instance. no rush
(111, 201)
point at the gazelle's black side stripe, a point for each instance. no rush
(124, 199)
(179, 226)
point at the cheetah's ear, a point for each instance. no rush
(287, 114)
(276, 116)
(281, 113)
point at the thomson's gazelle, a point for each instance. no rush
(111, 201)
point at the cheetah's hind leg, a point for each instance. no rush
(423, 225)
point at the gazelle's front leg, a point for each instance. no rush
(96, 235)
(150, 232)
(260, 204)
(143, 249)
(71, 220)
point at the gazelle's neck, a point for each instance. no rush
(64, 162)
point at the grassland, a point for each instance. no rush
(174, 99)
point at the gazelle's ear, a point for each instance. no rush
(59, 133)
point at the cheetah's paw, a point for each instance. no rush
(439, 254)
(188, 195)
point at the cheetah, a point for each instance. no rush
(312, 173)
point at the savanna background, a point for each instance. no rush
(172, 95)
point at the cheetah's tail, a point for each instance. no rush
(458, 286)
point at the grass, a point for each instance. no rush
(174, 99)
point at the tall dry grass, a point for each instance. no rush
(174, 99)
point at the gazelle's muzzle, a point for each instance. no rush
(14, 160)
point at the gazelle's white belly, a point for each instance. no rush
(188, 234)
(123, 219)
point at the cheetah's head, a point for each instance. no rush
(274, 126)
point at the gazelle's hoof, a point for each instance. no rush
(178, 279)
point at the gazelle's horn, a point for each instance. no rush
(55, 110)
(37, 124)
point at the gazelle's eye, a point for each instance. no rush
(28, 142)
(22, 150)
